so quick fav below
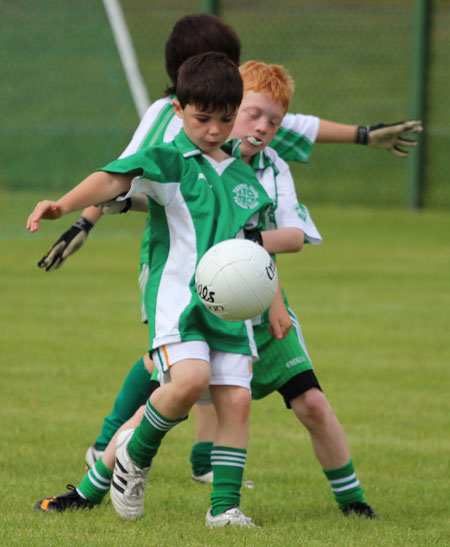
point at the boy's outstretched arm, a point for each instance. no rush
(96, 188)
(384, 136)
(74, 238)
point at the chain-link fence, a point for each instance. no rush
(67, 108)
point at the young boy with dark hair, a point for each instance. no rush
(195, 34)
(191, 35)
(190, 186)
(284, 364)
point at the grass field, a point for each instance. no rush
(374, 303)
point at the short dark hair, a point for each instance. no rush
(210, 81)
(195, 34)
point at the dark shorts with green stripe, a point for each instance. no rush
(283, 365)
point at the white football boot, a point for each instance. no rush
(128, 482)
(230, 517)
(92, 455)
(206, 477)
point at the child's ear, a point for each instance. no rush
(177, 108)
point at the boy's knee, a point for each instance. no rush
(192, 391)
(241, 401)
(312, 407)
(232, 403)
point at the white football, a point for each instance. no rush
(236, 279)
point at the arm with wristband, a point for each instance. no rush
(388, 137)
(299, 132)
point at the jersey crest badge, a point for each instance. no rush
(245, 196)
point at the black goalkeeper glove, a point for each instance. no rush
(253, 234)
(66, 245)
(389, 136)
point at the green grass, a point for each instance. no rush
(374, 303)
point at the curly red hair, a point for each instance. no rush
(271, 80)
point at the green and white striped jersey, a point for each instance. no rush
(194, 203)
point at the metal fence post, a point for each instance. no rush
(421, 40)
(211, 6)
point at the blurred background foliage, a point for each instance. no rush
(66, 107)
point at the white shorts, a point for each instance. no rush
(227, 369)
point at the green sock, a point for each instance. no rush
(146, 439)
(345, 485)
(95, 484)
(201, 458)
(228, 469)
(132, 395)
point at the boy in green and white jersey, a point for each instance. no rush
(196, 33)
(191, 35)
(283, 364)
(190, 186)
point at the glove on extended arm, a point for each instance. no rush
(67, 244)
(389, 136)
